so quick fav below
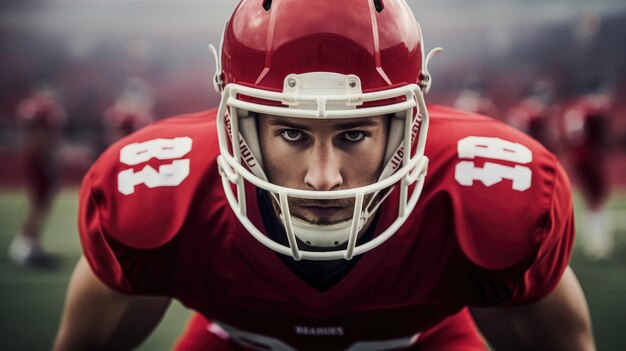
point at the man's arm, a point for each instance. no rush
(560, 321)
(96, 317)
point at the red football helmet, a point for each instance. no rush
(325, 60)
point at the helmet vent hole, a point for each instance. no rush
(267, 4)
(378, 5)
(336, 243)
(308, 242)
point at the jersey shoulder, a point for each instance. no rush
(501, 183)
(141, 189)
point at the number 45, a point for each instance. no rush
(491, 173)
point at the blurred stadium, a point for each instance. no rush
(86, 50)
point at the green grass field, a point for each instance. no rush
(31, 301)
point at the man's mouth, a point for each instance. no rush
(323, 210)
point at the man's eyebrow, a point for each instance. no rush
(354, 123)
(359, 123)
(280, 122)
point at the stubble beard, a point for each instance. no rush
(345, 209)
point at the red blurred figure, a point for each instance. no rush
(41, 117)
(131, 111)
(585, 126)
(536, 115)
(474, 99)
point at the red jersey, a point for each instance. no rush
(494, 226)
(42, 117)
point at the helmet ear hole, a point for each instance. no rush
(267, 4)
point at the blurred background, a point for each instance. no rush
(94, 70)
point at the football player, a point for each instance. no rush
(325, 206)
(130, 112)
(536, 115)
(41, 117)
(474, 98)
(586, 121)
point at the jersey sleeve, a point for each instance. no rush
(521, 247)
(552, 256)
(512, 209)
(95, 244)
(127, 240)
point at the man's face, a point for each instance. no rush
(323, 155)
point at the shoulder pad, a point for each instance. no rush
(500, 183)
(145, 184)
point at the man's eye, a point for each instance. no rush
(292, 135)
(354, 135)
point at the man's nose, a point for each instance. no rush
(323, 171)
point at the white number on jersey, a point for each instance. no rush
(163, 149)
(492, 173)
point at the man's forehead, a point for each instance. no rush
(308, 123)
